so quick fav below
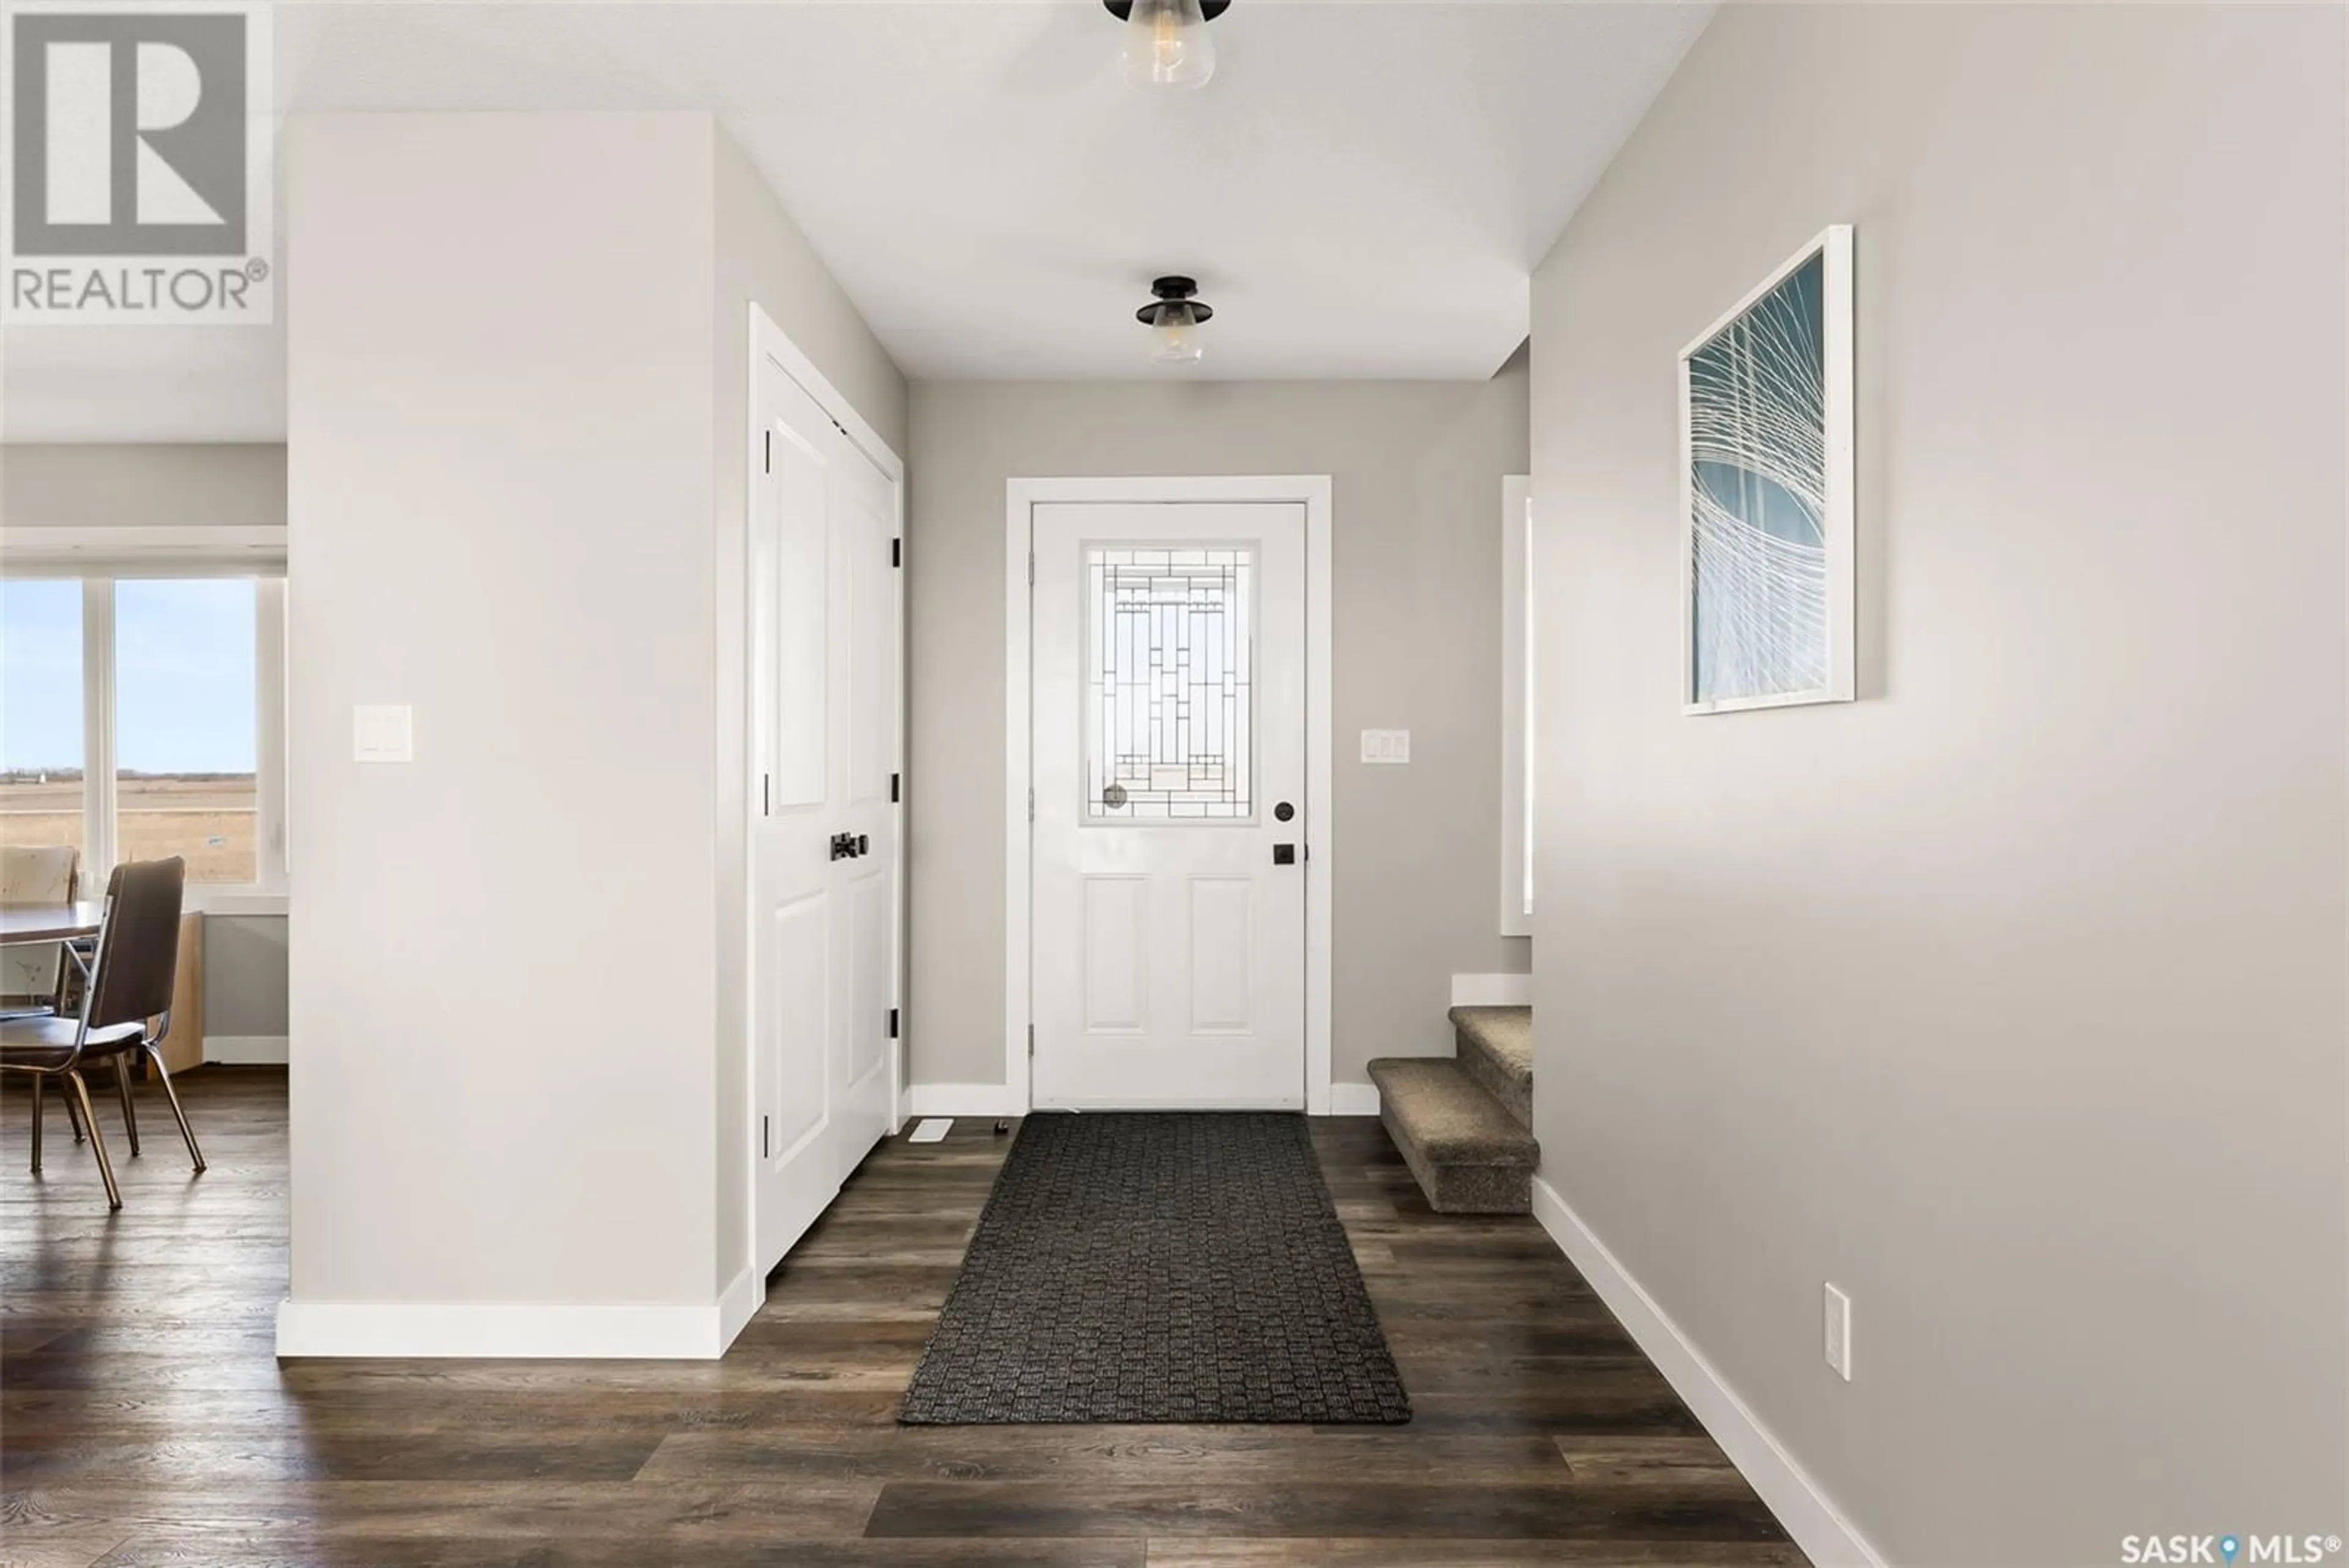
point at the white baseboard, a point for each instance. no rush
(246, 1050)
(1492, 990)
(965, 1100)
(1353, 1099)
(1809, 1515)
(649, 1331)
(740, 1304)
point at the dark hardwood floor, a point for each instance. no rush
(144, 1419)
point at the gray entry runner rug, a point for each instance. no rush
(1170, 1267)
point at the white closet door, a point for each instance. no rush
(823, 704)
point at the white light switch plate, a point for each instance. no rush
(1838, 1332)
(1386, 745)
(383, 732)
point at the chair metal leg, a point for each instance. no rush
(129, 1107)
(73, 1114)
(97, 1139)
(172, 1094)
(40, 1100)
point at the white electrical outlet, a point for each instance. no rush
(1839, 1326)
(1386, 745)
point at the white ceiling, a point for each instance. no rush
(1362, 190)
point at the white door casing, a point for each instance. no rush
(823, 738)
(1166, 962)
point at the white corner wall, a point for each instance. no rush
(759, 256)
(2010, 997)
(498, 480)
(514, 481)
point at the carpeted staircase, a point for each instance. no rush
(1465, 1123)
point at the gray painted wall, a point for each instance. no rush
(102, 485)
(244, 975)
(1417, 469)
(2011, 997)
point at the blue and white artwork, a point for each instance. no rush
(1768, 483)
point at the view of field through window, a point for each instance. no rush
(185, 720)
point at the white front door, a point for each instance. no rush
(1168, 922)
(824, 615)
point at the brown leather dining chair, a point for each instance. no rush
(129, 985)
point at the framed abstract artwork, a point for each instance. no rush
(1766, 491)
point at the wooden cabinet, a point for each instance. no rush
(184, 1047)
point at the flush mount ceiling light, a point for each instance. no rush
(1174, 319)
(1166, 42)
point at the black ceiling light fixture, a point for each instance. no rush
(1166, 42)
(1174, 319)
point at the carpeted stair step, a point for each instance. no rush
(1467, 1154)
(1496, 1046)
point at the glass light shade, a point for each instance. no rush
(1175, 336)
(1167, 45)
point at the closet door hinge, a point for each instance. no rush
(766, 1137)
(893, 1024)
(767, 462)
(897, 552)
(1031, 803)
(893, 789)
(1031, 568)
(766, 794)
(1032, 1040)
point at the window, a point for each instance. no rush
(186, 713)
(1168, 729)
(1516, 706)
(41, 705)
(144, 719)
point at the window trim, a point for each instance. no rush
(101, 556)
(1516, 882)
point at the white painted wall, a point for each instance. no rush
(2011, 997)
(511, 438)
(1416, 644)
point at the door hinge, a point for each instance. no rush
(893, 1024)
(766, 1134)
(1031, 803)
(897, 552)
(1032, 1040)
(766, 794)
(893, 789)
(1031, 568)
(769, 461)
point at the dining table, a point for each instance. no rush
(28, 923)
(70, 926)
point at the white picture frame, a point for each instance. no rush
(1766, 482)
